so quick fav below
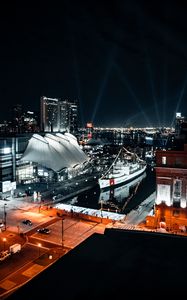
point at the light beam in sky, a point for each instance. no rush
(110, 62)
(153, 91)
(181, 94)
(133, 96)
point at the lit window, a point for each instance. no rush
(7, 150)
(163, 194)
(164, 160)
(177, 187)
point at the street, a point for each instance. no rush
(38, 250)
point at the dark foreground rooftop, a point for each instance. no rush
(113, 265)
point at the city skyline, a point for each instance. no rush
(125, 63)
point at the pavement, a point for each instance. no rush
(66, 234)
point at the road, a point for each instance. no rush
(39, 250)
(138, 215)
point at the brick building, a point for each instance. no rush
(171, 190)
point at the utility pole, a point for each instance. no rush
(5, 214)
(62, 231)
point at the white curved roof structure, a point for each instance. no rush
(54, 151)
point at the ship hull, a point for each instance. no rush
(116, 181)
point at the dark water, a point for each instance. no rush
(121, 199)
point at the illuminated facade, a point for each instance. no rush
(68, 115)
(49, 114)
(170, 208)
(11, 150)
(179, 119)
(171, 177)
(27, 158)
(58, 115)
(54, 151)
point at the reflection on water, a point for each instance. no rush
(73, 201)
(116, 199)
(121, 199)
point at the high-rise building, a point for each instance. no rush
(64, 116)
(49, 121)
(178, 121)
(73, 117)
(58, 115)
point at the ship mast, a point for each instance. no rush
(138, 158)
(111, 164)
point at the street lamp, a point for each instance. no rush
(5, 214)
(39, 246)
(4, 241)
(62, 231)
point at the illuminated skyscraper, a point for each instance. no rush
(58, 115)
(73, 117)
(178, 121)
(49, 114)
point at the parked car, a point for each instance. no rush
(15, 248)
(4, 255)
(20, 194)
(2, 224)
(27, 222)
(44, 230)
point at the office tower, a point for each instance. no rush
(58, 115)
(178, 121)
(73, 117)
(68, 116)
(64, 115)
(49, 121)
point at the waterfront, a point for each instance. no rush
(121, 199)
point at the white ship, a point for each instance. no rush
(126, 167)
(120, 192)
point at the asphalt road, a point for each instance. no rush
(38, 250)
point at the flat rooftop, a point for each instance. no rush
(113, 265)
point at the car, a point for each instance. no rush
(43, 230)
(20, 194)
(2, 224)
(4, 254)
(27, 222)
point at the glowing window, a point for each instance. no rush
(7, 150)
(177, 187)
(164, 160)
(163, 194)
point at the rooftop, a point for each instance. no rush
(114, 264)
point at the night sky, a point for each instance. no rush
(124, 61)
